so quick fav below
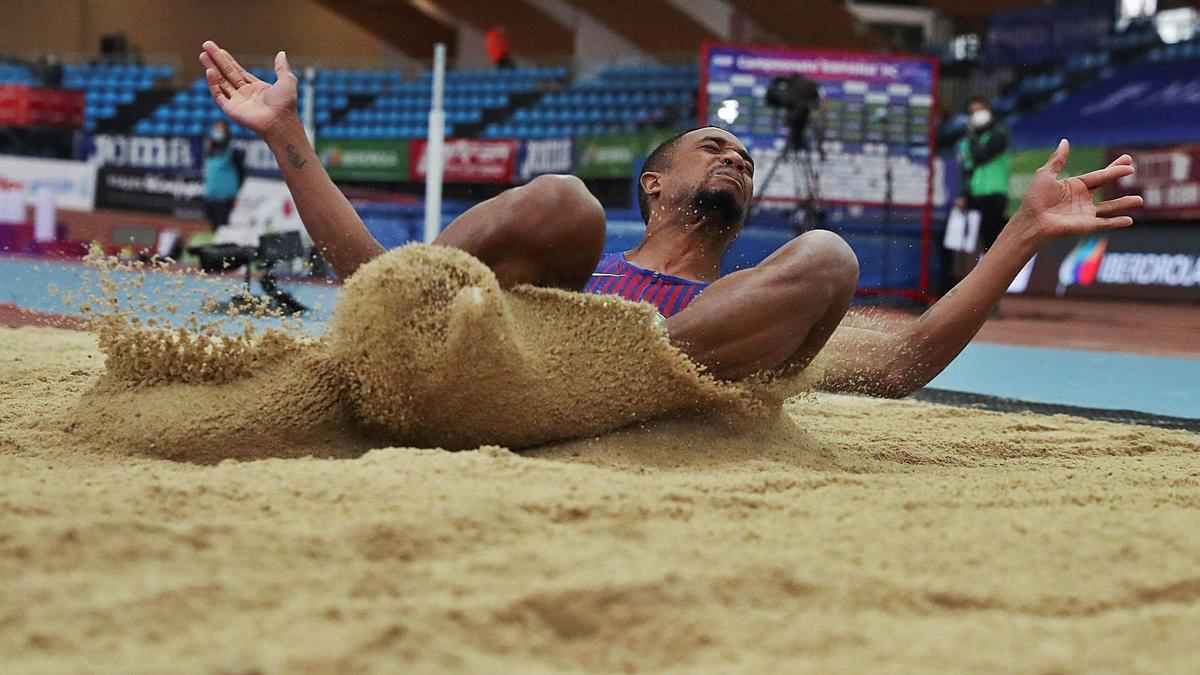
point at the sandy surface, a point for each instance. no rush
(846, 534)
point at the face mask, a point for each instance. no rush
(981, 118)
(218, 136)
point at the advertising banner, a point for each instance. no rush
(1145, 262)
(171, 153)
(615, 155)
(158, 153)
(381, 159)
(25, 106)
(177, 194)
(72, 183)
(14, 104)
(1026, 162)
(470, 161)
(538, 157)
(1167, 177)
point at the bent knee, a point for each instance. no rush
(821, 252)
(561, 207)
(566, 195)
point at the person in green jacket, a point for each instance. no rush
(985, 162)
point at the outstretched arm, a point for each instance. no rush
(898, 362)
(270, 111)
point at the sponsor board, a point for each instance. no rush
(615, 155)
(159, 153)
(72, 183)
(1148, 262)
(470, 160)
(24, 106)
(1026, 162)
(171, 153)
(1168, 178)
(382, 159)
(538, 157)
(179, 194)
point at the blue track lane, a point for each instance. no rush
(1152, 384)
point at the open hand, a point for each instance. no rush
(1062, 208)
(247, 100)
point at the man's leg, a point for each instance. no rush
(549, 232)
(778, 314)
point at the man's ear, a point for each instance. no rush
(651, 182)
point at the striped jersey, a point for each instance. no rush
(617, 276)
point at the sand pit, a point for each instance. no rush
(845, 534)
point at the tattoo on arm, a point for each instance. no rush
(294, 158)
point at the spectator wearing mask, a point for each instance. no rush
(224, 171)
(498, 48)
(985, 162)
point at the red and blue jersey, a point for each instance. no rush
(617, 276)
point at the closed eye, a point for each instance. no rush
(716, 147)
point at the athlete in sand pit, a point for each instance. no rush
(695, 192)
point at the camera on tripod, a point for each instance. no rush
(798, 98)
(271, 249)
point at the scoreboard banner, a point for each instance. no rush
(874, 124)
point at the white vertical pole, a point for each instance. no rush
(435, 148)
(306, 115)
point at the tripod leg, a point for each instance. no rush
(280, 299)
(266, 279)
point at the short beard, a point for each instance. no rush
(719, 209)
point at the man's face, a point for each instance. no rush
(709, 169)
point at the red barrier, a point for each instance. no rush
(23, 106)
